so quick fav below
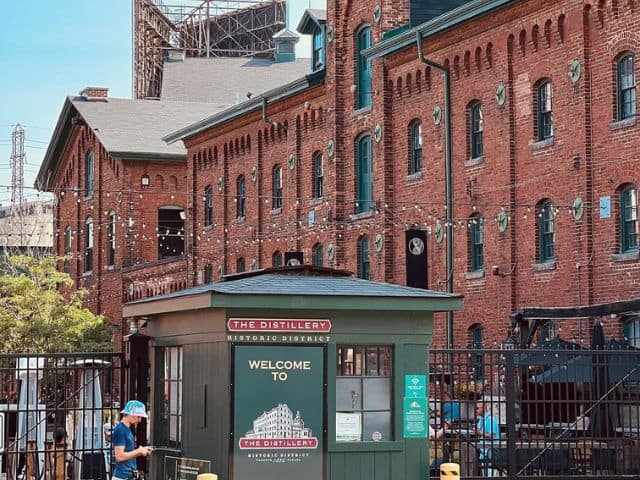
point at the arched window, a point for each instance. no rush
(276, 187)
(240, 266)
(276, 259)
(415, 147)
(546, 231)
(364, 175)
(241, 197)
(111, 239)
(364, 266)
(88, 174)
(363, 68)
(208, 206)
(88, 245)
(476, 342)
(475, 130)
(476, 243)
(629, 226)
(317, 255)
(626, 86)
(317, 176)
(544, 110)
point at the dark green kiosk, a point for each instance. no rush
(293, 373)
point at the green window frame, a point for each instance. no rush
(415, 151)
(363, 68)
(241, 197)
(208, 273)
(317, 54)
(476, 125)
(88, 174)
(208, 206)
(317, 176)
(476, 243)
(111, 239)
(168, 425)
(88, 245)
(629, 224)
(276, 259)
(544, 120)
(364, 175)
(476, 342)
(68, 246)
(364, 393)
(240, 265)
(276, 187)
(317, 256)
(626, 86)
(364, 263)
(546, 232)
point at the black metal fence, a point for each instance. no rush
(536, 413)
(56, 412)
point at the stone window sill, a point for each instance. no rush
(87, 274)
(361, 111)
(276, 211)
(627, 122)
(208, 228)
(626, 256)
(475, 275)
(110, 268)
(362, 215)
(238, 220)
(316, 201)
(414, 177)
(542, 144)
(472, 162)
(544, 266)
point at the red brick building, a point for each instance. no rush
(347, 165)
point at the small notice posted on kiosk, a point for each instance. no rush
(278, 412)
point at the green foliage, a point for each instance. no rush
(40, 312)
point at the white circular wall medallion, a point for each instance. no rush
(377, 13)
(330, 33)
(437, 114)
(291, 161)
(331, 148)
(220, 184)
(503, 221)
(254, 174)
(577, 209)
(501, 94)
(379, 242)
(331, 251)
(439, 232)
(377, 133)
(575, 71)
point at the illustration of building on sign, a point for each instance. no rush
(279, 422)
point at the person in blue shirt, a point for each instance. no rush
(488, 432)
(124, 445)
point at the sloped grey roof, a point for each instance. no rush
(128, 128)
(224, 82)
(311, 20)
(291, 285)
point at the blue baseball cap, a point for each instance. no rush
(135, 407)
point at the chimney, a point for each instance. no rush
(95, 94)
(285, 41)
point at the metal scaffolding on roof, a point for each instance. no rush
(202, 28)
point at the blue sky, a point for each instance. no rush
(53, 48)
(50, 49)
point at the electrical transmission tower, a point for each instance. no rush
(18, 158)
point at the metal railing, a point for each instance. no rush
(536, 413)
(56, 413)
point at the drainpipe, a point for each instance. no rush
(265, 116)
(448, 173)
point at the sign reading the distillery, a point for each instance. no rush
(278, 433)
(278, 325)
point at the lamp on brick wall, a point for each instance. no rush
(145, 180)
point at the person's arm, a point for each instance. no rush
(122, 456)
